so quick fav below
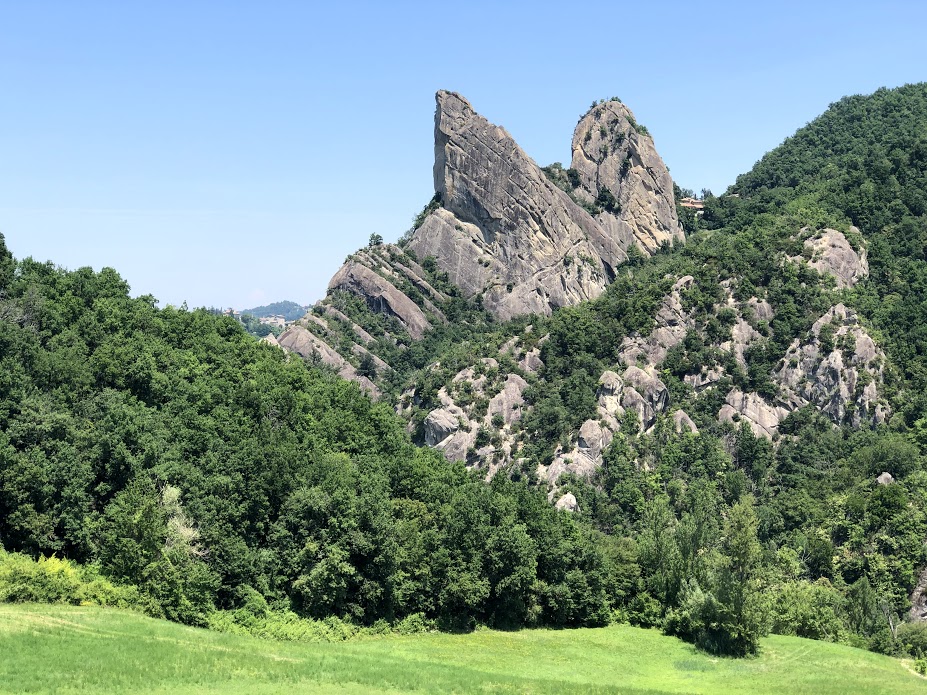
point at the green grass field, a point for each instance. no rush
(59, 649)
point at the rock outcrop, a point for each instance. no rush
(838, 368)
(509, 233)
(613, 153)
(645, 394)
(299, 339)
(381, 295)
(832, 254)
(567, 503)
(762, 417)
(504, 229)
(671, 324)
(454, 427)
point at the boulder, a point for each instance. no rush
(440, 424)
(303, 342)
(567, 503)
(608, 396)
(644, 393)
(682, 423)
(593, 439)
(832, 254)
(509, 401)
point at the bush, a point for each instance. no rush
(54, 580)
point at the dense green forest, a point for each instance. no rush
(179, 455)
(168, 451)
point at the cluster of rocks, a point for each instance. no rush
(636, 390)
(832, 254)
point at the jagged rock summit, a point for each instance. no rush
(619, 169)
(509, 232)
(521, 238)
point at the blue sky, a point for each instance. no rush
(233, 153)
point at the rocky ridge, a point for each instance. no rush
(506, 231)
(519, 239)
(501, 230)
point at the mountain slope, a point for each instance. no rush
(778, 354)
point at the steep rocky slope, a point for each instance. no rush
(502, 232)
(504, 238)
(619, 168)
(506, 231)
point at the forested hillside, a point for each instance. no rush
(180, 456)
(733, 432)
(774, 361)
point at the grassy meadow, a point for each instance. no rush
(60, 649)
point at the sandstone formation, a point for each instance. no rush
(762, 417)
(638, 390)
(832, 254)
(454, 428)
(671, 324)
(613, 153)
(506, 231)
(299, 339)
(503, 231)
(838, 369)
(568, 503)
(645, 394)
(381, 296)
(683, 424)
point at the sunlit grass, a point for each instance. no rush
(45, 649)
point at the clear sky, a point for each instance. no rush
(233, 153)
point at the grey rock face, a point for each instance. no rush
(838, 368)
(644, 393)
(833, 255)
(608, 396)
(705, 379)
(593, 439)
(440, 424)
(506, 231)
(671, 324)
(453, 428)
(682, 423)
(574, 462)
(381, 296)
(612, 152)
(762, 417)
(918, 612)
(568, 503)
(303, 342)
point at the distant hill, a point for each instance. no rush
(288, 310)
